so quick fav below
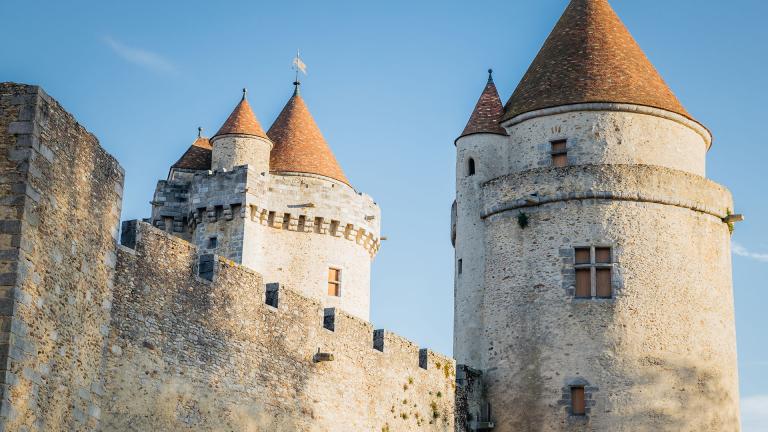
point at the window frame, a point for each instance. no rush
(559, 154)
(337, 282)
(594, 266)
(582, 412)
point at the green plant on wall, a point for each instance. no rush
(731, 225)
(522, 220)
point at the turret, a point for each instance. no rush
(241, 141)
(479, 158)
(606, 293)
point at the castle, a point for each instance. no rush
(592, 275)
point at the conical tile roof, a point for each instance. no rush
(299, 145)
(488, 112)
(590, 56)
(197, 156)
(242, 121)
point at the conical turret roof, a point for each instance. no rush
(242, 121)
(299, 144)
(197, 156)
(590, 56)
(488, 112)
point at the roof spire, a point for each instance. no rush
(242, 121)
(298, 66)
(245, 93)
(199, 131)
(487, 113)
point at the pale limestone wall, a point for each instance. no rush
(661, 355)
(488, 152)
(188, 354)
(230, 151)
(305, 224)
(60, 206)
(608, 137)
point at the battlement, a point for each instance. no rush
(216, 320)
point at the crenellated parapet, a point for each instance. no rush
(194, 330)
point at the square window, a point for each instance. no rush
(582, 256)
(603, 255)
(213, 242)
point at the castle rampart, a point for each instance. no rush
(186, 352)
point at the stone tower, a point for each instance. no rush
(277, 202)
(593, 265)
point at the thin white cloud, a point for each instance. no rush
(744, 252)
(141, 57)
(754, 413)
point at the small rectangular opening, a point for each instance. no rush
(460, 266)
(213, 242)
(273, 290)
(318, 225)
(378, 340)
(559, 153)
(603, 255)
(334, 227)
(424, 358)
(334, 282)
(578, 401)
(583, 283)
(286, 220)
(603, 284)
(329, 319)
(302, 223)
(582, 256)
(271, 218)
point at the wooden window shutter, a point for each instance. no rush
(559, 153)
(334, 282)
(578, 401)
(603, 255)
(583, 283)
(604, 289)
(582, 256)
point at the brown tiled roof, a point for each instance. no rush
(197, 156)
(590, 56)
(488, 112)
(299, 145)
(242, 121)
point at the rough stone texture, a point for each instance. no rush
(289, 228)
(659, 354)
(230, 151)
(188, 354)
(61, 197)
(607, 137)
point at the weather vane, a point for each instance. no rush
(298, 66)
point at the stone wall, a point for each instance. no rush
(609, 136)
(660, 355)
(61, 196)
(186, 353)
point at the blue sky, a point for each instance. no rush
(391, 85)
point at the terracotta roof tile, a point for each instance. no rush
(488, 112)
(197, 156)
(590, 56)
(299, 144)
(242, 121)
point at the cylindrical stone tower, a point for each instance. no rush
(607, 298)
(479, 158)
(241, 141)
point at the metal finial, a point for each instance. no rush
(490, 75)
(296, 85)
(199, 131)
(245, 91)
